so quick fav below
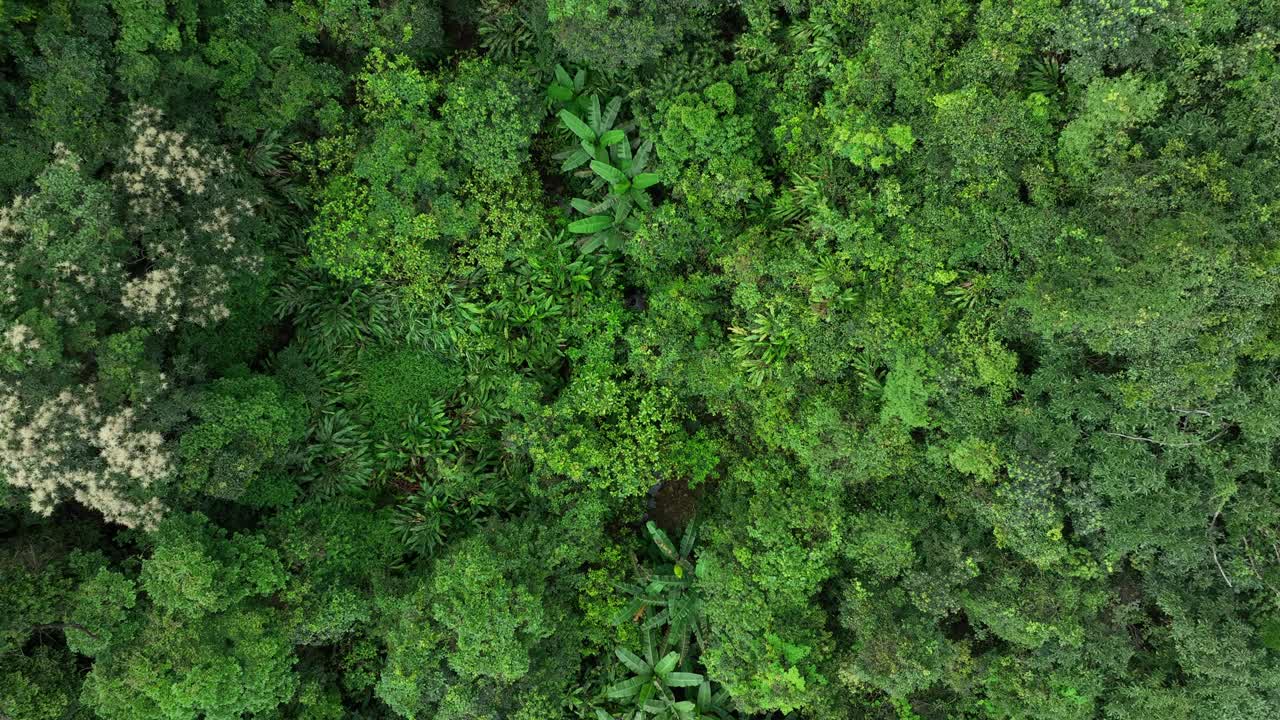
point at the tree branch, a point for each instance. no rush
(1161, 443)
(1213, 548)
(63, 627)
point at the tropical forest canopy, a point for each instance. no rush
(640, 359)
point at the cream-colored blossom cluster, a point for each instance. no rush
(63, 154)
(219, 225)
(159, 163)
(10, 223)
(140, 456)
(155, 297)
(8, 282)
(209, 306)
(66, 447)
(20, 338)
(182, 249)
(12, 231)
(189, 280)
(179, 293)
(21, 341)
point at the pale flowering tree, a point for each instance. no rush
(184, 223)
(88, 267)
(68, 447)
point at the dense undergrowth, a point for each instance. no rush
(625, 359)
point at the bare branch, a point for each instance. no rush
(63, 627)
(1213, 548)
(1162, 443)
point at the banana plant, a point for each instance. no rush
(611, 218)
(710, 704)
(669, 596)
(707, 705)
(649, 690)
(611, 160)
(763, 348)
(596, 133)
(568, 91)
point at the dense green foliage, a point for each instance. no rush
(639, 360)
